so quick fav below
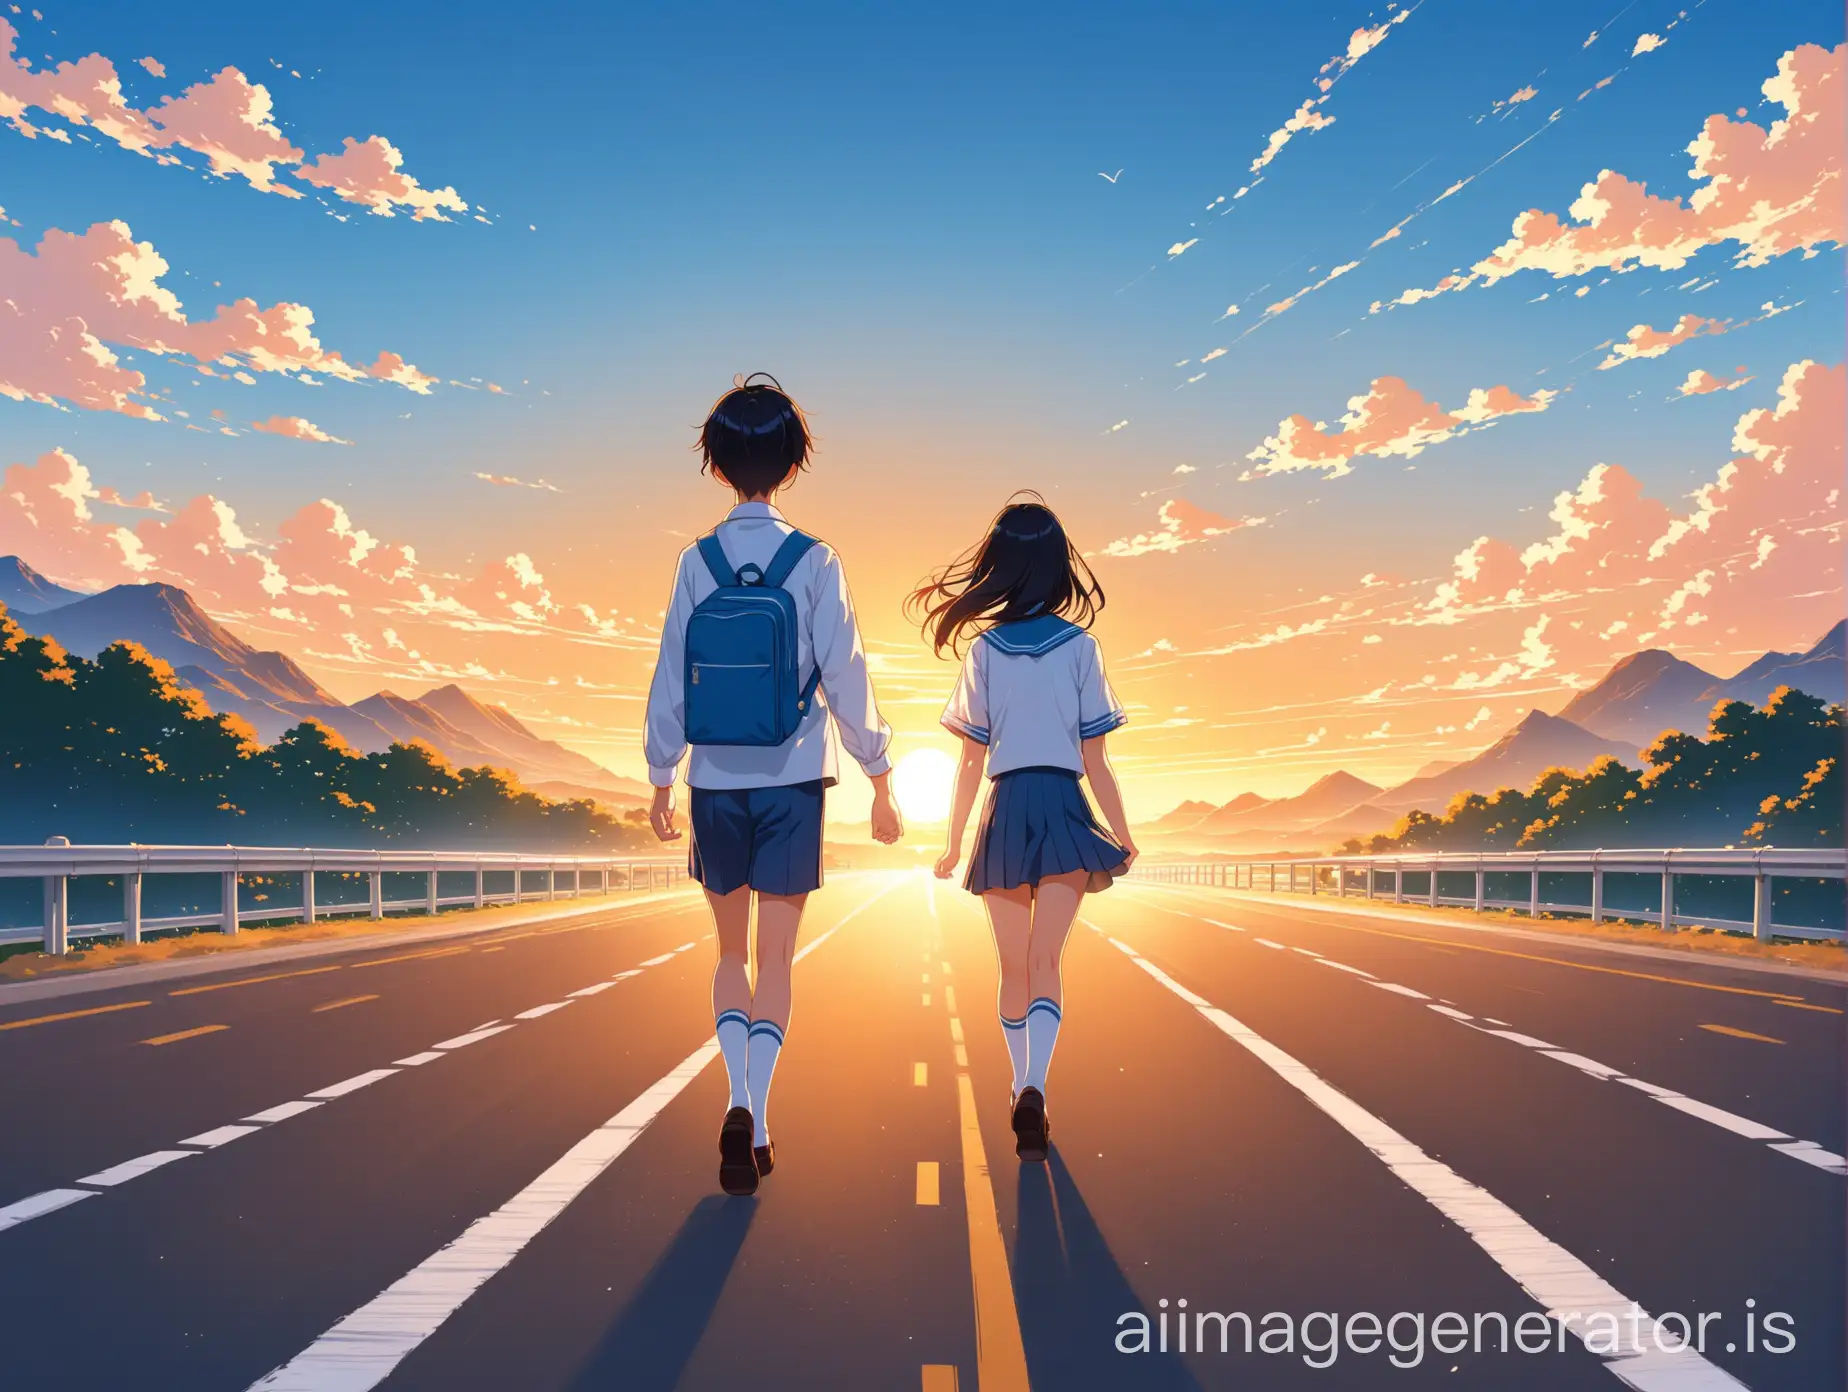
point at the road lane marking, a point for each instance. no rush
(594, 989)
(175, 1038)
(1805, 1005)
(1810, 1153)
(956, 1029)
(134, 1169)
(949, 999)
(625, 975)
(462, 1041)
(1217, 924)
(38, 1205)
(920, 1074)
(1266, 942)
(657, 961)
(929, 1190)
(1399, 990)
(219, 1135)
(73, 1014)
(415, 1059)
(946, 966)
(284, 1111)
(411, 957)
(1742, 1034)
(1000, 1356)
(342, 1004)
(1558, 1281)
(540, 1011)
(1307, 953)
(927, 998)
(353, 1084)
(687, 946)
(939, 1377)
(962, 1056)
(255, 980)
(927, 978)
(361, 1350)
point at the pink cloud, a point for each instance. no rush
(83, 291)
(1700, 382)
(1768, 192)
(368, 172)
(1645, 342)
(1623, 570)
(296, 428)
(1306, 117)
(228, 119)
(508, 481)
(1182, 524)
(1390, 418)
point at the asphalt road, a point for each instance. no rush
(490, 1163)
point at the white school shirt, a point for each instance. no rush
(1033, 692)
(826, 633)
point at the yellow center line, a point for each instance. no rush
(920, 1074)
(185, 1034)
(72, 1014)
(350, 1000)
(929, 1189)
(1805, 1005)
(254, 980)
(1742, 1034)
(1781, 997)
(411, 956)
(939, 1377)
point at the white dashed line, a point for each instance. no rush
(542, 1010)
(462, 1041)
(221, 1135)
(657, 961)
(1561, 1283)
(415, 1060)
(1217, 924)
(1526, 1041)
(1451, 1011)
(286, 1110)
(594, 989)
(686, 947)
(1266, 942)
(353, 1084)
(1307, 953)
(1343, 966)
(1399, 990)
(38, 1205)
(134, 1169)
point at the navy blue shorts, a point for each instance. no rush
(767, 838)
(1037, 823)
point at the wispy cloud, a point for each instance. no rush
(1642, 341)
(296, 428)
(1182, 524)
(508, 481)
(1700, 383)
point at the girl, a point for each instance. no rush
(1032, 705)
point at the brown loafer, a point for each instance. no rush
(765, 1156)
(737, 1168)
(1030, 1125)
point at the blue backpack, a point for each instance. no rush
(742, 683)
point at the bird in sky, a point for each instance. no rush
(1109, 178)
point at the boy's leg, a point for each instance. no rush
(1055, 906)
(731, 985)
(779, 917)
(1010, 916)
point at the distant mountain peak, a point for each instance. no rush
(24, 591)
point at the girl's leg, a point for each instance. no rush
(1010, 915)
(779, 916)
(731, 985)
(1055, 906)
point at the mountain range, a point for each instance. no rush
(272, 692)
(1640, 697)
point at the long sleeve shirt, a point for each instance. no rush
(828, 636)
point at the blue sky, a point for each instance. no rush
(900, 212)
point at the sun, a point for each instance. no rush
(924, 782)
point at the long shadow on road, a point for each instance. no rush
(1069, 1291)
(648, 1346)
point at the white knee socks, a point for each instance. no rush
(1042, 1034)
(733, 1027)
(766, 1042)
(1015, 1033)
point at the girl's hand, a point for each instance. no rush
(1130, 847)
(946, 863)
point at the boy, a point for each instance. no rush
(756, 800)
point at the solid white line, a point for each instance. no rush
(427, 1056)
(134, 1169)
(220, 1135)
(38, 1205)
(596, 988)
(285, 1111)
(353, 1084)
(472, 1037)
(539, 1010)
(361, 1350)
(1557, 1280)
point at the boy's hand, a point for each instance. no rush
(888, 826)
(661, 815)
(946, 863)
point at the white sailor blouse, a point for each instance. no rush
(1033, 692)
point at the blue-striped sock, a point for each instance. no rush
(733, 1028)
(1042, 1034)
(1015, 1033)
(766, 1042)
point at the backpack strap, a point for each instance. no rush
(795, 546)
(808, 692)
(714, 556)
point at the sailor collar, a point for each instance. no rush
(1032, 637)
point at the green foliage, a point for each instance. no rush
(1761, 776)
(119, 750)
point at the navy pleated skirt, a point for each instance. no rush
(1038, 822)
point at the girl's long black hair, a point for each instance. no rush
(1024, 567)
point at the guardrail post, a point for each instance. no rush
(1761, 906)
(1533, 893)
(1315, 878)
(430, 900)
(1368, 872)
(1481, 878)
(481, 897)
(551, 882)
(1398, 884)
(227, 902)
(57, 907)
(377, 877)
(1433, 885)
(308, 908)
(131, 907)
(1668, 900)
(1597, 893)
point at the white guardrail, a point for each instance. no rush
(57, 863)
(1417, 879)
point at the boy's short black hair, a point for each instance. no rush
(754, 436)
